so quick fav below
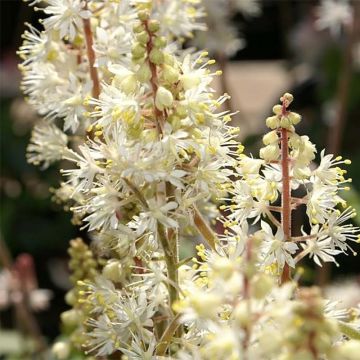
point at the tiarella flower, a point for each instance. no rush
(180, 18)
(321, 250)
(321, 201)
(65, 16)
(276, 249)
(112, 46)
(47, 144)
(333, 15)
(36, 45)
(338, 232)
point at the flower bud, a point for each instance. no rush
(160, 42)
(70, 298)
(270, 138)
(285, 122)
(164, 98)
(294, 118)
(143, 37)
(70, 318)
(272, 122)
(277, 109)
(153, 25)
(143, 15)
(127, 84)
(287, 99)
(242, 315)
(156, 56)
(270, 152)
(144, 73)
(139, 27)
(170, 74)
(112, 271)
(61, 350)
(138, 50)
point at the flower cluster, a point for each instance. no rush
(146, 155)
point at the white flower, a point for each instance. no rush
(333, 14)
(321, 201)
(47, 144)
(276, 249)
(65, 16)
(320, 250)
(112, 46)
(338, 232)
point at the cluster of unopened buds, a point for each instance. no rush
(147, 157)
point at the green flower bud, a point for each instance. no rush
(294, 118)
(277, 109)
(285, 122)
(272, 122)
(144, 73)
(61, 350)
(156, 56)
(160, 42)
(270, 152)
(70, 318)
(70, 298)
(153, 25)
(170, 74)
(127, 84)
(270, 138)
(139, 27)
(143, 15)
(143, 37)
(163, 98)
(138, 50)
(168, 59)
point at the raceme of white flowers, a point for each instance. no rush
(146, 157)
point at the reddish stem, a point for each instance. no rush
(286, 196)
(91, 56)
(154, 81)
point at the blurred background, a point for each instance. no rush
(277, 47)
